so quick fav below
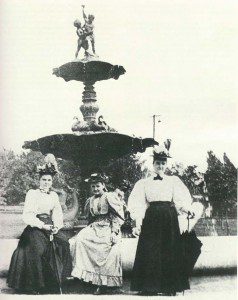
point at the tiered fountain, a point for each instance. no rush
(93, 143)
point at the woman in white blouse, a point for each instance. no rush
(154, 204)
(32, 269)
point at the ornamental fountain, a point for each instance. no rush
(92, 143)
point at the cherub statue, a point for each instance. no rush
(81, 37)
(85, 34)
(88, 28)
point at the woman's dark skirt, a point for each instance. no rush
(159, 264)
(31, 265)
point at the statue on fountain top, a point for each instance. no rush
(85, 35)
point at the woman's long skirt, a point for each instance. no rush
(95, 259)
(32, 267)
(159, 264)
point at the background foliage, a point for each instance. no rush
(18, 175)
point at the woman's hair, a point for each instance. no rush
(102, 182)
(43, 174)
(159, 159)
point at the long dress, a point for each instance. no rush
(95, 258)
(31, 266)
(155, 205)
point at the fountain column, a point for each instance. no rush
(89, 108)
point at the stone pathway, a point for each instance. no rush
(214, 287)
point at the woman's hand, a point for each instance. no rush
(114, 238)
(68, 224)
(136, 231)
(47, 227)
(191, 215)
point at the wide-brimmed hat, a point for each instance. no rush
(97, 177)
(162, 151)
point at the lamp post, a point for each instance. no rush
(154, 119)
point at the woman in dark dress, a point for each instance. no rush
(154, 204)
(34, 268)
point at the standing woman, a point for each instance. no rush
(96, 249)
(154, 204)
(32, 268)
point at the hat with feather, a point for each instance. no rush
(161, 152)
(97, 177)
(50, 166)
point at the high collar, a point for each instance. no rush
(97, 196)
(158, 177)
(43, 191)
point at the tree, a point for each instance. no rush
(124, 173)
(190, 176)
(6, 162)
(18, 175)
(221, 184)
(230, 186)
(20, 171)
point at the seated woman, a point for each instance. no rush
(96, 248)
(32, 268)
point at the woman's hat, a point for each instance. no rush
(96, 177)
(49, 167)
(162, 151)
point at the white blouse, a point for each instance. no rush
(171, 188)
(37, 202)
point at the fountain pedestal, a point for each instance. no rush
(89, 71)
(89, 108)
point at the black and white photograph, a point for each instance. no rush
(118, 149)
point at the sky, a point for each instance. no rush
(180, 60)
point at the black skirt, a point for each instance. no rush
(31, 265)
(159, 263)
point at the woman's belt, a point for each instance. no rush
(47, 219)
(162, 203)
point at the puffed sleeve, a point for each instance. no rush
(30, 210)
(181, 196)
(184, 204)
(116, 211)
(137, 203)
(57, 214)
(87, 211)
(87, 207)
